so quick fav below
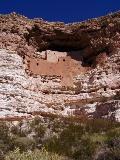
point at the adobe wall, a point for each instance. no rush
(53, 56)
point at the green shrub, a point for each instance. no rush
(85, 150)
(71, 143)
(111, 147)
(22, 129)
(24, 143)
(109, 154)
(113, 138)
(4, 132)
(34, 155)
(78, 139)
(6, 142)
(99, 125)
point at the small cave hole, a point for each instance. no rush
(37, 64)
(63, 60)
(87, 62)
(105, 89)
(23, 57)
(46, 92)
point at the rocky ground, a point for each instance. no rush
(93, 89)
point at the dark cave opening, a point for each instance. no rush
(74, 53)
(105, 89)
(61, 48)
(79, 54)
(87, 62)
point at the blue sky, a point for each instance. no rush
(60, 10)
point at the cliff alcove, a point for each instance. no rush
(64, 65)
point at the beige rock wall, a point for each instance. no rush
(22, 95)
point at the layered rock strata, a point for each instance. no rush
(90, 55)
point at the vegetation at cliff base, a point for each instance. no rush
(53, 138)
(32, 155)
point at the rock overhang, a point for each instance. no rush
(97, 42)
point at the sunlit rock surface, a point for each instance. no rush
(71, 69)
(94, 94)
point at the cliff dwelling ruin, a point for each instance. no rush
(63, 69)
(57, 63)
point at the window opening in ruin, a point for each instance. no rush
(105, 89)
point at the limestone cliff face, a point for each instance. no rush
(65, 69)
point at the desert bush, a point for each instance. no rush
(4, 132)
(85, 150)
(99, 125)
(34, 155)
(108, 154)
(22, 129)
(6, 142)
(113, 138)
(38, 131)
(72, 144)
(78, 139)
(24, 143)
(112, 145)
